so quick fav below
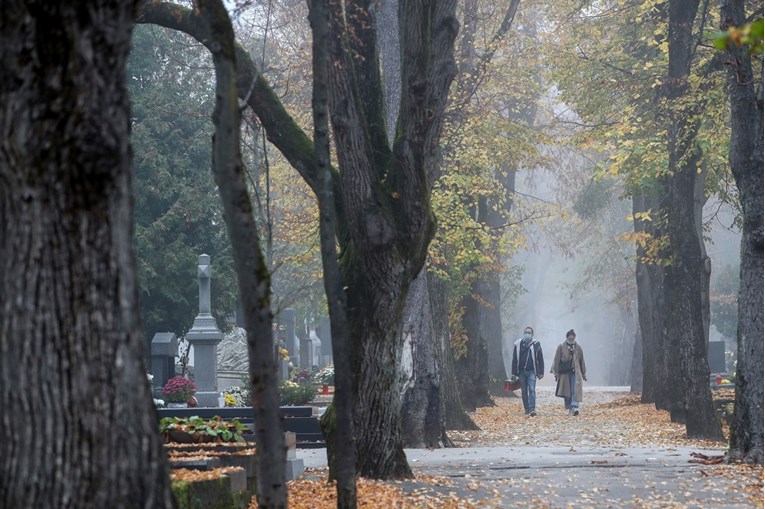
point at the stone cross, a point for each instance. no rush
(204, 336)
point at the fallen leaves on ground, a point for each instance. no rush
(316, 494)
(191, 455)
(704, 459)
(622, 421)
(190, 475)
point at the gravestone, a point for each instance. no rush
(233, 358)
(317, 360)
(324, 331)
(204, 337)
(716, 356)
(291, 341)
(306, 353)
(164, 350)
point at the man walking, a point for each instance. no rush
(528, 365)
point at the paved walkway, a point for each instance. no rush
(572, 472)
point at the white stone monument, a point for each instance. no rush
(204, 337)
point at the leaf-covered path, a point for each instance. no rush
(617, 453)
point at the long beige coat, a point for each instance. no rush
(563, 390)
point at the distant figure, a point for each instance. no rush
(528, 365)
(569, 370)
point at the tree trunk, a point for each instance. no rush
(684, 326)
(649, 280)
(492, 331)
(636, 369)
(746, 160)
(699, 200)
(77, 428)
(471, 367)
(454, 413)
(385, 200)
(252, 275)
(483, 367)
(344, 463)
(422, 423)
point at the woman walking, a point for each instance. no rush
(569, 370)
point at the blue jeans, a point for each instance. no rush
(571, 401)
(528, 390)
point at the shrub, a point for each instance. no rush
(294, 394)
(202, 430)
(178, 389)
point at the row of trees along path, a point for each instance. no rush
(69, 330)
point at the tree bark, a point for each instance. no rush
(472, 367)
(385, 195)
(649, 277)
(422, 423)
(78, 427)
(344, 464)
(454, 413)
(683, 332)
(252, 275)
(636, 369)
(746, 160)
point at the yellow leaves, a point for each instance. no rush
(640, 216)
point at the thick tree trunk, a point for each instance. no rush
(385, 196)
(454, 413)
(77, 427)
(746, 160)
(252, 275)
(422, 422)
(684, 327)
(471, 368)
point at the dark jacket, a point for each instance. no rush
(538, 364)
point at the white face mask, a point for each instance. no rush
(570, 341)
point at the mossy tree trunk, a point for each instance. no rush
(253, 278)
(345, 458)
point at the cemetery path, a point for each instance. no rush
(616, 453)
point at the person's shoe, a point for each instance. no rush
(533, 413)
(575, 411)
